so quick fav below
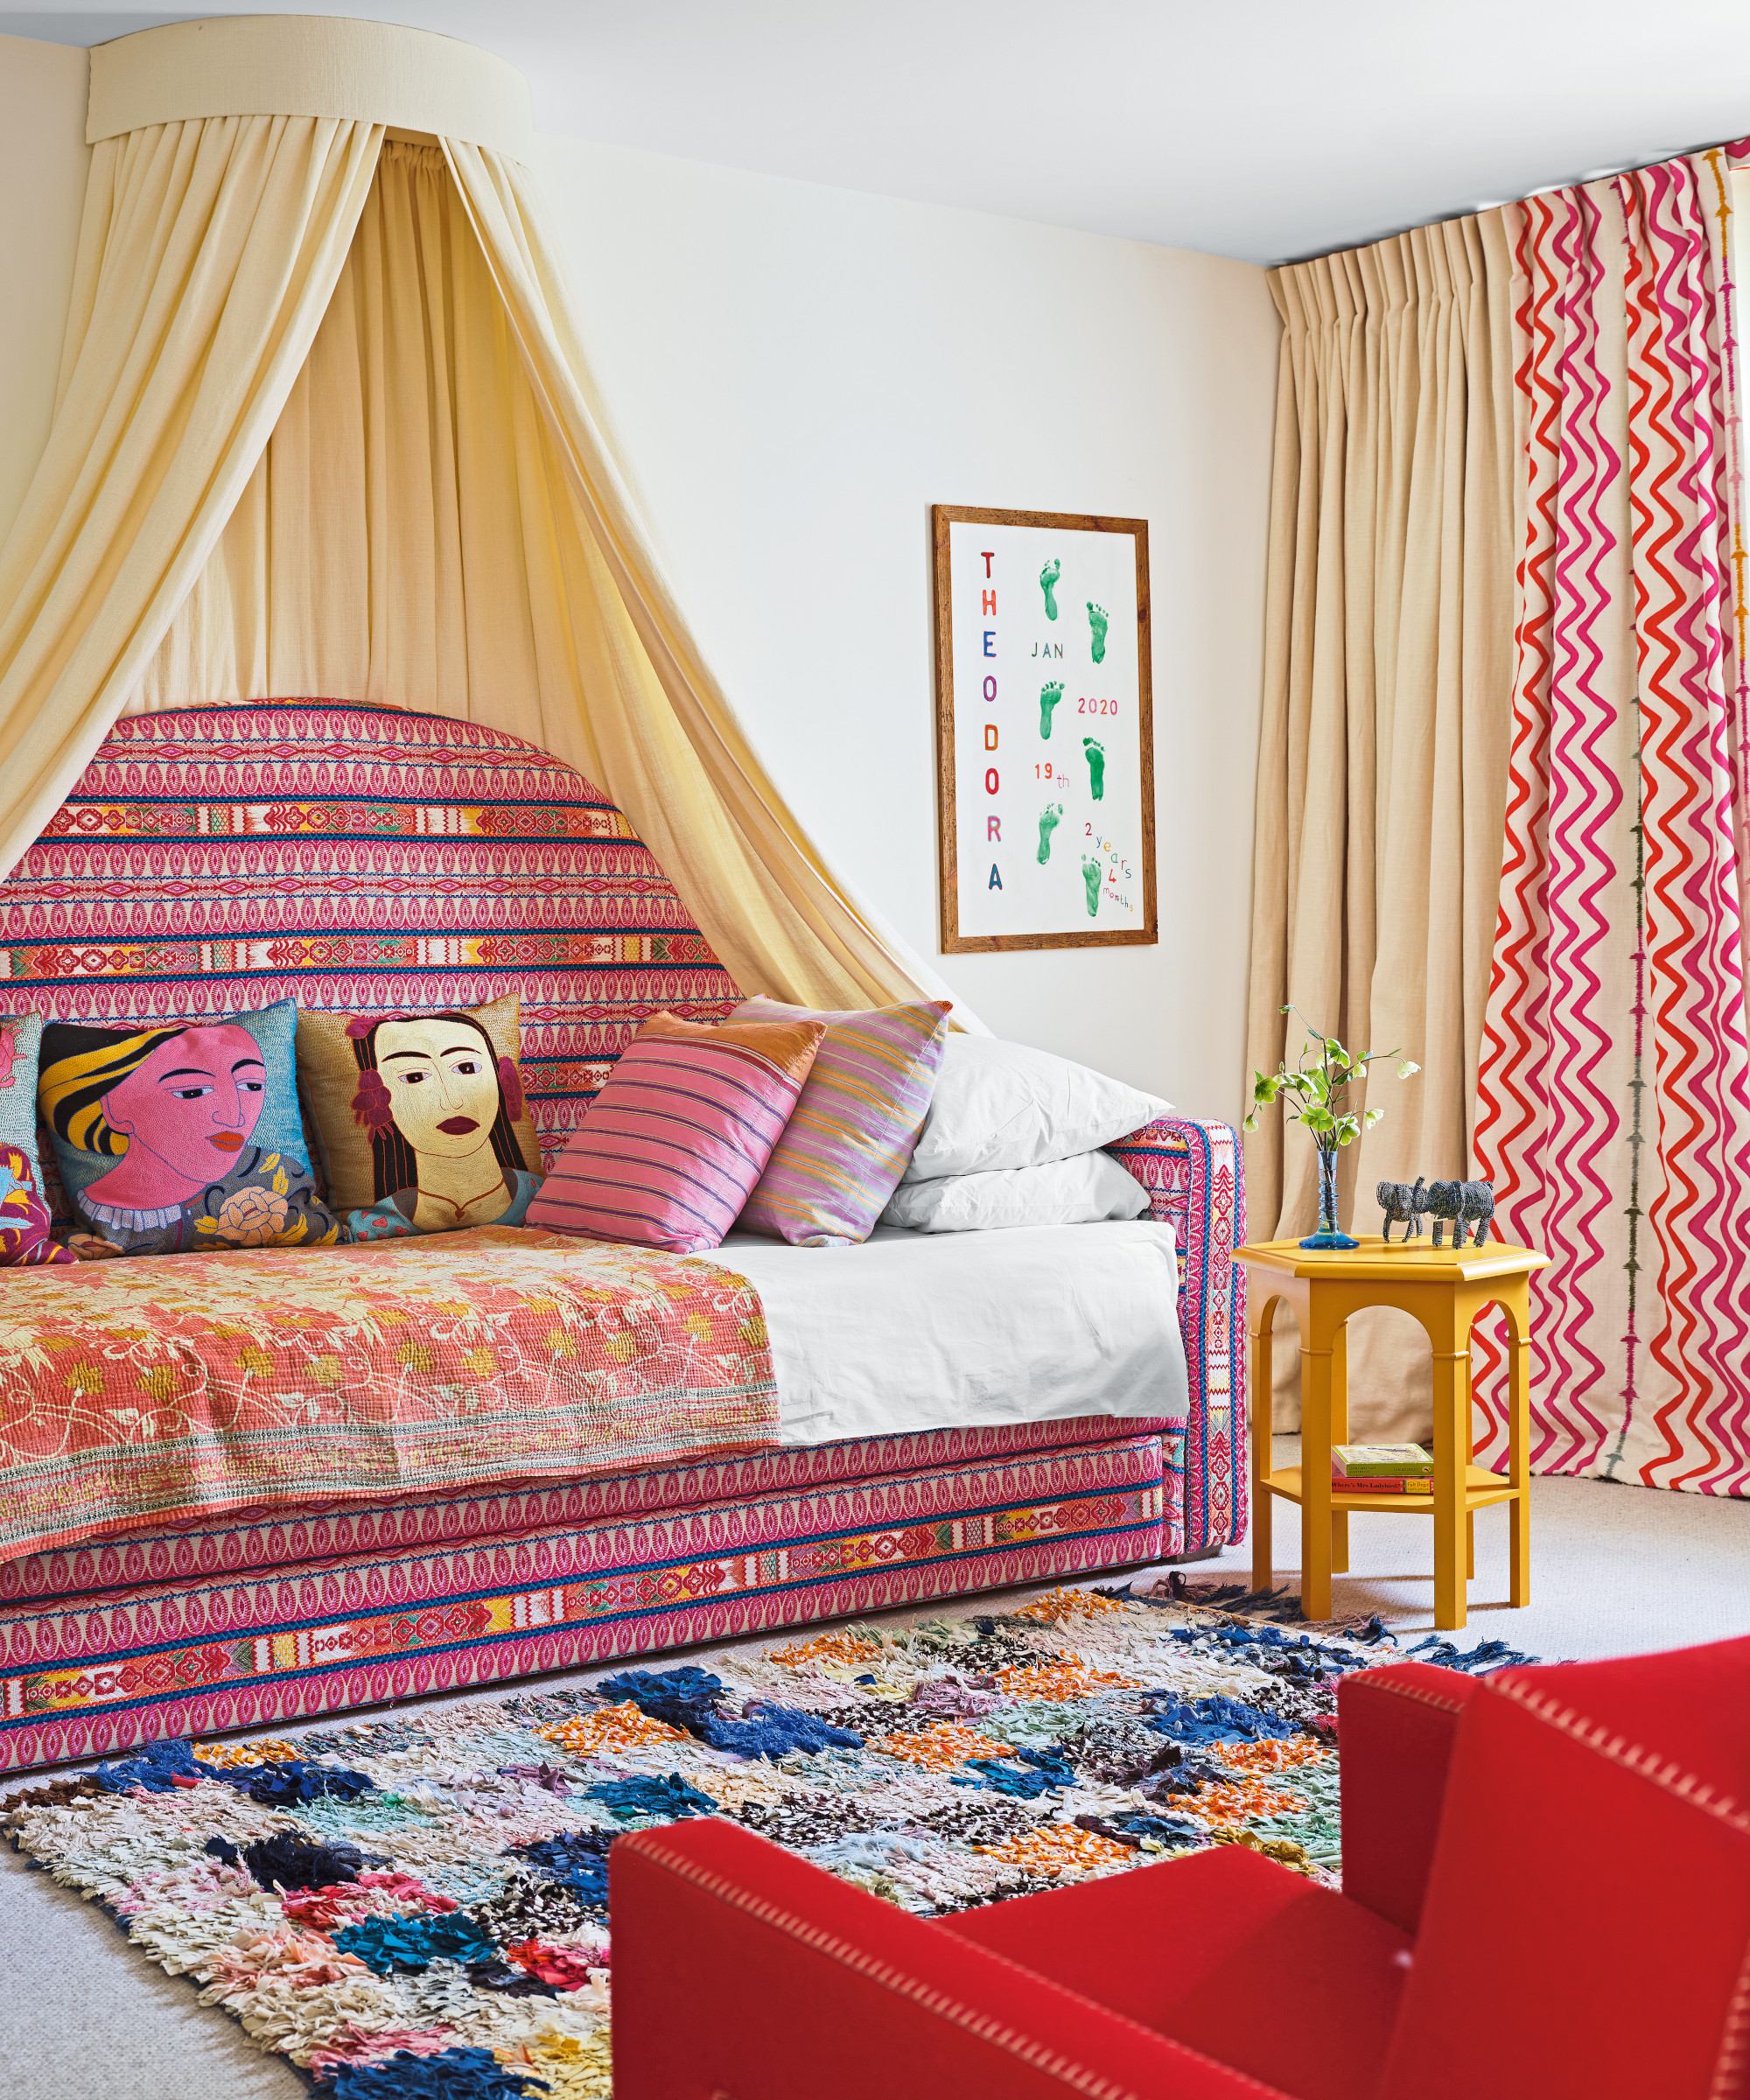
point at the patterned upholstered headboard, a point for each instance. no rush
(213, 859)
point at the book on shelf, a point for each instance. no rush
(1349, 1483)
(1381, 1461)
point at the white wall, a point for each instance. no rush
(797, 373)
(43, 160)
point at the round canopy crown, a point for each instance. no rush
(309, 65)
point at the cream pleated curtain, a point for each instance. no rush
(207, 254)
(1388, 718)
(438, 523)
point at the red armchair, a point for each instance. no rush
(1546, 1892)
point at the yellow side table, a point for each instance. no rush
(1444, 1289)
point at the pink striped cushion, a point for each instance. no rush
(855, 1127)
(678, 1136)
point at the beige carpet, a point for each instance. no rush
(1616, 1571)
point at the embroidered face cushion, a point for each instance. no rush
(421, 1118)
(24, 1220)
(179, 1137)
(26, 1216)
(673, 1143)
(21, 1036)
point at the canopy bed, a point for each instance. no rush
(324, 427)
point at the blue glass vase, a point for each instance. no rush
(1328, 1234)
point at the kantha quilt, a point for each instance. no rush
(136, 1392)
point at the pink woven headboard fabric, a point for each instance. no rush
(213, 859)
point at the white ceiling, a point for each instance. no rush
(1262, 130)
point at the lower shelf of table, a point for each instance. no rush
(1481, 1489)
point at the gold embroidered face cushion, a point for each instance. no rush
(420, 1118)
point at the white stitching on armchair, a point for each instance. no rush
(1075, 2075)
(1665, 1772)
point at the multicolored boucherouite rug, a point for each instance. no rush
(416, 1905)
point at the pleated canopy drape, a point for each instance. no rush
(420, 506)
(207, 254)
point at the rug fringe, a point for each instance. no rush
(1283, 1606)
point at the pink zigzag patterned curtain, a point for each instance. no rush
(1613, 1092)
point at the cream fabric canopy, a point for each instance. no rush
(207, 257)
(325, 428)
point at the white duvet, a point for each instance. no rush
(917, 1331)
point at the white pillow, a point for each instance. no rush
(1004, 1105)
(1062, 1192)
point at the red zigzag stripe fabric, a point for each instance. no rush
(1613, 1110)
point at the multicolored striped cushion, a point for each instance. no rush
(849, 1142)
(680, 1133)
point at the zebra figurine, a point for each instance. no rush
(1402, 1205)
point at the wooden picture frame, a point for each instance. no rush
(1096, 789)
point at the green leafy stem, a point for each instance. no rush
(1314, 1092)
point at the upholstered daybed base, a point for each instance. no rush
(359, 858)
(242, 1624)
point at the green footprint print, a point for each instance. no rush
(1097, 621)
(1048, 821)
(1090, 877)
(1049, 697)
(1095, 755)
(1048, 577)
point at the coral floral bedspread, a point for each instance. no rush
(155, 1389)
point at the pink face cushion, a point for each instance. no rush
(177, 1136)
(839, 1161)
(673, 1143)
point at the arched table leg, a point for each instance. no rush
(1451, 1459)
(1324, 1359)
(1517, 1306)
(1340, 1434)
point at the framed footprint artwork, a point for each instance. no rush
(1044, 752)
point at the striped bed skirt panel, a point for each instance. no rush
(90, 1672)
